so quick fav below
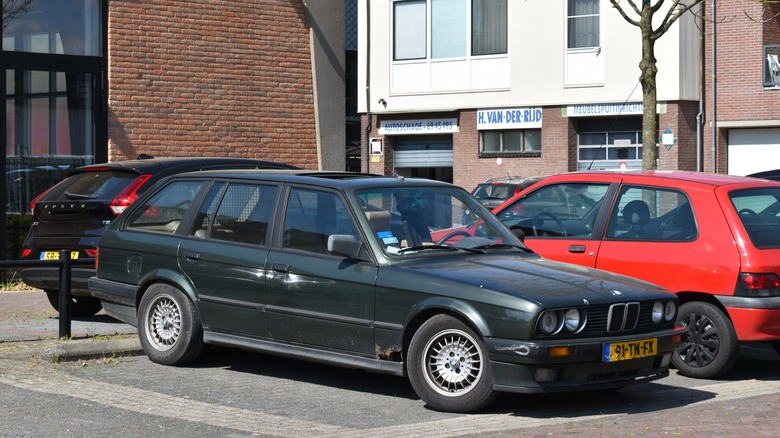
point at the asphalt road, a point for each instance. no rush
(230, 392)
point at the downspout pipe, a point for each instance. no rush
(714, 111)
(366, 139)
(702, 89)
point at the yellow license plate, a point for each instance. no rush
(615, 351)
(55, 255)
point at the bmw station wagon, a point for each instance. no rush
(712, 239)
(373, 272)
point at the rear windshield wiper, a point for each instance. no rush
(70, 195)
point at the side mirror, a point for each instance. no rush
(345, 245)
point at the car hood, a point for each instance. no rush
(543, 281)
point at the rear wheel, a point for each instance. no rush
(80, 307)
(448, 366)
(168, 326)
(710, 347)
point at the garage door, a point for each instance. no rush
(423, 151)
(753, 150)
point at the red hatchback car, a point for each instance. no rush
(712, 239)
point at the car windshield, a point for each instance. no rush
(411, 220)
(759, 211)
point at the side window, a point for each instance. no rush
(652, 214)
(163, 211)
(559, 210)
(242, 215)
(311, 217)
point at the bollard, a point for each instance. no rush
(65, 297)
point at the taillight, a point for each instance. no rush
(26, 252)
(128, 195)
(36, 199)
(91, 252)
(96, 257)
(758, 285)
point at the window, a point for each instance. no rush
(583, 24)
(243, 214)
(559, 210)
(759, 212)
(312, 217)
(772, 70)
(651, 214)
(448, 22)
(509, 142)
(164, 211)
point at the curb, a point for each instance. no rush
(92, 349)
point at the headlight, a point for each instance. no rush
(548, 322)
(671, 310)
(658, 311)
(572, 320)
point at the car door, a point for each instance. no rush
(315, 298)
(224, 255)
(562, 219)
(669, 235)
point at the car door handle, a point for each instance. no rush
(278, 267)
(577, 248)
(190, 255)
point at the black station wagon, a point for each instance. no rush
(376, 273)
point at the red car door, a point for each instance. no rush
(563, 216)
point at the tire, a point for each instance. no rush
(80, 307)
(168, 326)
(443, 386)
(710, 347)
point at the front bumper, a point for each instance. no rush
(537, 367)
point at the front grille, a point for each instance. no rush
(614, 319)
(622, 317)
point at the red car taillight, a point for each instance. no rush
(758, 285)
(128, 195)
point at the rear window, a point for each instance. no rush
(97, 185)
(759, 211)
(494, 191)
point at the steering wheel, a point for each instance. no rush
(452, 234)
(551, 216)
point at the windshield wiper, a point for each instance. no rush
(502, 245)
(442, 247)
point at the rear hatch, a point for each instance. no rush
(81, 205)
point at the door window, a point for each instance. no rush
(312, 216)
(558, 210)
(652, 214)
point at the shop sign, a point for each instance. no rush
(509, 118)
(605, 109)
(418, 126)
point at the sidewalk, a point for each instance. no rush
(26, 315)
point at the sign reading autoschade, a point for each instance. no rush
(418, 126)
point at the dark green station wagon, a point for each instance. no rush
(376, 273)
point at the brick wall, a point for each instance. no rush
(211, 78)
(739, 73)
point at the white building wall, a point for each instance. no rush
(537, 70)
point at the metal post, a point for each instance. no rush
(65, 296)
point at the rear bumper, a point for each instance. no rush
(118, 299)
(754, 319)
(48, 278)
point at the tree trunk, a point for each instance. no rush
(648, 71)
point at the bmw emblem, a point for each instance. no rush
(616, 293)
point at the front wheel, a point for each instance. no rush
(168, 326)
(448, 366)
(710, 347)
